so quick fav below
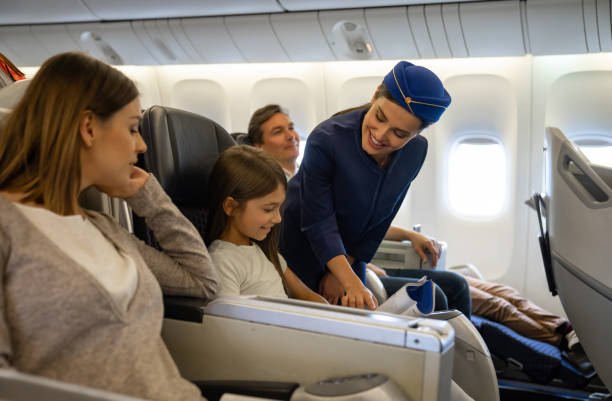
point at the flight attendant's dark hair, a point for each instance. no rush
(244, 173)
(381, 91)
(39, 142)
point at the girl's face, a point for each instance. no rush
(255, 219)
(386, 128)
(112, 147)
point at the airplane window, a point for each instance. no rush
(597, 149)
(302, 148)
(477, 177)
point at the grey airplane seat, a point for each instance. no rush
(576, 248)
(473, 368)
(278, 342)
(241, 138)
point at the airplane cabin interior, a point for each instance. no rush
(516, 185)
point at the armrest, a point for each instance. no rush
(214, 389)
(444, 315)
(184, 308)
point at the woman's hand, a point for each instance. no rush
(421, 244)
(137, 180)
(359, 297)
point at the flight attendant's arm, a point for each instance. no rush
(319, 223)
(420, 243)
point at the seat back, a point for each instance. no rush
(579, 217)
(182, 149)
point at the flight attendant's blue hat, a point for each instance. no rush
(418, 90)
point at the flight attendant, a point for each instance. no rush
(356, 171)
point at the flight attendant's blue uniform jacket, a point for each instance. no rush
(341, 201)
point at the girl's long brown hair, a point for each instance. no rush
(244, 173)
(40, 142)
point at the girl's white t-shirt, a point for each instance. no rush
(78, 238)
(245, 270)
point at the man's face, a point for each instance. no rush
(280, 139)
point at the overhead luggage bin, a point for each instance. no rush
(259, 338)
(579, 220)
(454, 30)
(254, 36)
(556, 30)
(385, 26)
(107, 38)
(301, 36)
(211, 40)
(23, 47)
(493, 28)
(416, 18)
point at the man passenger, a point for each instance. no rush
(271, 129)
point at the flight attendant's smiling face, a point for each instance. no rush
(386, 128)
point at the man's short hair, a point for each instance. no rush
(259, 117)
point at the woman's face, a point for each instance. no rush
(386, 128)
(108, 161)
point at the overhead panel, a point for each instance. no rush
(44, 12)
(212, 41)
(105, 40)
(416, 18)
(437, 32)
(604, 24)
(25, 48)
(146, 9)
(301, 36)
(55, 38)
(176, 28)
(493, 28)
(347, 33)
(255, 38)
(391, 33)
(454, 30)
(591, 29)
(158, 39)
(558, 29)
(304, 5)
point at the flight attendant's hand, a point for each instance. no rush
(138, 178)
(359, 297)
(421, 244)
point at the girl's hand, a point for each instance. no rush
(137, 180)
(359, 297)
(331, 289)
(421, 244)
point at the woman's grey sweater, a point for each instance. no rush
(57, 321)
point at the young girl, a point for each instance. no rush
(246, 191)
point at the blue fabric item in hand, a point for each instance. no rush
(424, 295)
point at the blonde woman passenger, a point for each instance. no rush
(80, 297)
(246, 192)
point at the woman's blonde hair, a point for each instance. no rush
(40, 142)
(244, 173)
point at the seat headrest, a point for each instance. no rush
(182, 148)
(241, 138)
